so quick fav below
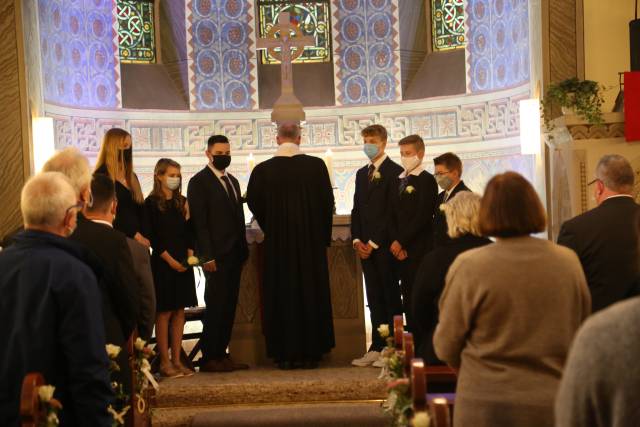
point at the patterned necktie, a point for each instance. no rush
(230, 192)
(372, 170)
(403, 184)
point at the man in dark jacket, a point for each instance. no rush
(607, 238)
(50, 310)
(448, 175)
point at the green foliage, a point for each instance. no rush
(584, 96)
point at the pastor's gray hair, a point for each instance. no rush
(74, 165)
(462, 213)
(616, 173)
(45, 199)
(289, 131)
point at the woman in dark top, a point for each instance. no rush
(172, 243)
(462, 219)
(116, 161)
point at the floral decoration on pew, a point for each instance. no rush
(144, 378)
(398, 401)
(49, 405)
(120, 408)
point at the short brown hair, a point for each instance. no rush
(510, 207)
(414, 140)
(375, 130)
(450, 161)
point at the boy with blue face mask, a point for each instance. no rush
(376, 188)
(412, 218)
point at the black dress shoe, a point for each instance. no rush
(285, 365)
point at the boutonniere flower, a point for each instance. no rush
(377, 176)
(410, 189)
(383, 330)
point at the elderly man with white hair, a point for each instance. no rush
(75, 166)
(51, 319)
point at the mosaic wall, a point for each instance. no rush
(220, 41)
(78, 50)
(366, 45)
(497, 44)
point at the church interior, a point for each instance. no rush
(471, 77)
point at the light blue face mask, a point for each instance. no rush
(371, 150)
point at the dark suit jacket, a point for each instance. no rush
(440, 220)
(146, 290)
(412, 214)
(372, 204)
(218, 225)
(428, 286)
(118, 283)
(51, 322)
(607, 241)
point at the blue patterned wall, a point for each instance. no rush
(366, 44)
(220, 47)
(79, 65)
(498, 44)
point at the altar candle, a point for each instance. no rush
(251, 162)
(328, 160)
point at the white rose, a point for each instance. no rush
(113, 351)
(421, 419)
(192, 260)
(377, 175)
(45, 392)
(139, 344)
(410, 189)
(383, 330)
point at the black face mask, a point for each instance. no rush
(127, 154)
(221, 162)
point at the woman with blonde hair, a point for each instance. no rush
(461, 212)
(116, 161)
(172, 242)
(509, 312)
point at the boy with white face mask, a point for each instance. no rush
(412, 217)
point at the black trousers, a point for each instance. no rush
(221, 298)
(383, 292)
(408, 271)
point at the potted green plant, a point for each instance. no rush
(582, 96)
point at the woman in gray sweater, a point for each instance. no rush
(508, 313)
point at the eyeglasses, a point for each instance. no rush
(441, 173)
(593, 181)
(77, 206)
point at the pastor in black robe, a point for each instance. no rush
(292, 199)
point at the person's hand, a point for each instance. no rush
(402, 255)
(395, 248)
(361, 249)
(142, 240)
(177, 266)
(210, 267)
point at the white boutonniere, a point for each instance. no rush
(410, 189)
(377, 176)
(383, 330)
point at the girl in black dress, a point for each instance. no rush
(172, 243)
(116, 161)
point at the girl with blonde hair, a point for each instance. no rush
(116, 161)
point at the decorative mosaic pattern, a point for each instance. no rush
(313, 19)
(447, 24)
(498, 44)
(136, 31)
(79, 65)
(221, 50)
(366, 60)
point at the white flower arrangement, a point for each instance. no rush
(409, 189)
(45, 393)
(49, 405)
(139, 344)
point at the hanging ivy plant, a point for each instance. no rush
(583, 96)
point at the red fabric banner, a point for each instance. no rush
(632, 106)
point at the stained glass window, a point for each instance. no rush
(447, 23)
(136, 32)
(314, 19)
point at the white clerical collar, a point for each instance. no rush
(99, 221)
(415, 172)
(216, 172)
(379, 161)
(287, 149)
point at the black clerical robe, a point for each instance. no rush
(292, 199)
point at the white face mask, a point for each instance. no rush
(173, 182)
(410, 163)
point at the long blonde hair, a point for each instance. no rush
(112, 156)
(157, 193)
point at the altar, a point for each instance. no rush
(347, 299)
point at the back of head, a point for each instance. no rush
(104, 193)
(45, 199)
(74, 165)
(289, 132)
(616, 173)
(450, 161)
(414, 140)
(510, 207)
(463, 213)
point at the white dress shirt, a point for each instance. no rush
(415, 172)
(288, 149)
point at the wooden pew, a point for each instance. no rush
(398, 330)
(31, 414)
(438, 404)
(139, 415)
(409, 352)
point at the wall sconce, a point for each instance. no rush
(530, 126)
(43, 141)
